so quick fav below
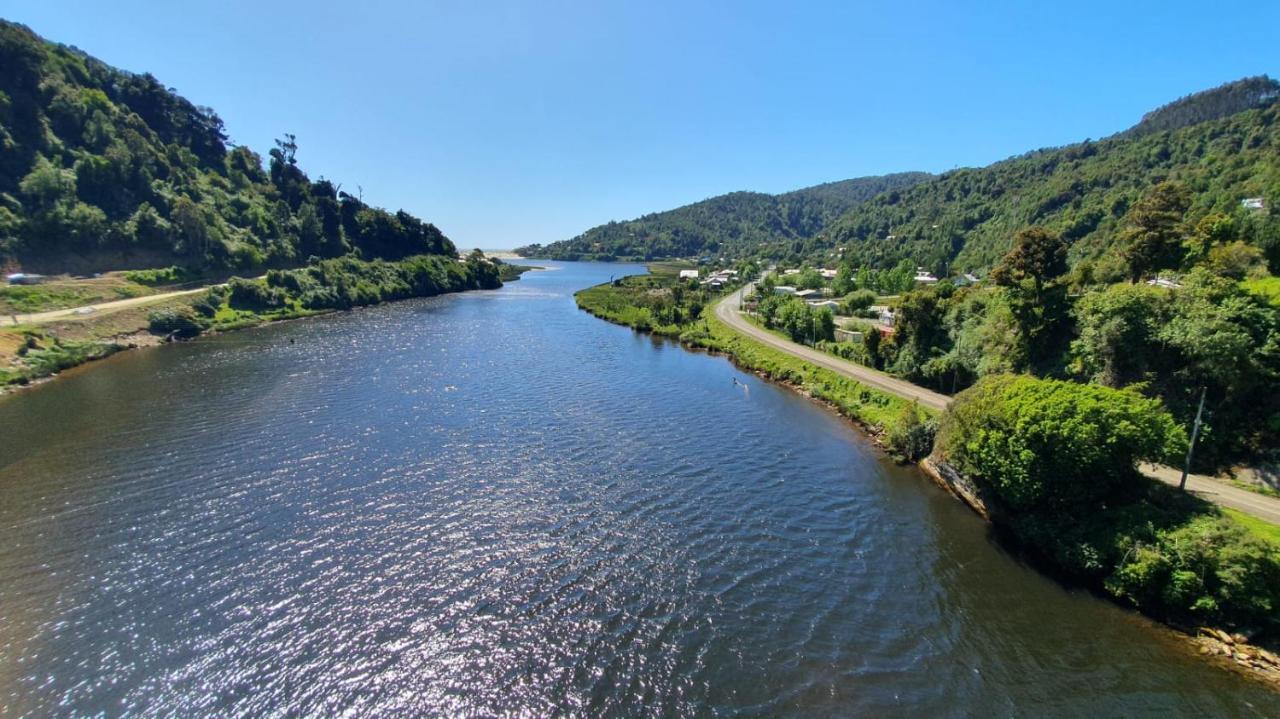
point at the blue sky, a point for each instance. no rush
(514, 122)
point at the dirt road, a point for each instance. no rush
(95, 310)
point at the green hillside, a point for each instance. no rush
(737, 223)
(1223, 144)
(106, 169)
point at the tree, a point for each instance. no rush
(845, 282)
(809, 279)
(1213, 229)
(824, 324)
(871, 343)
(1235, 259)
(1118, 327)
(857, 302)
(1046, 445)
(1029, 272)
(1039, 256)
(1152, 238)
(287, 146)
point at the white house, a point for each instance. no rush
(688, 274)
(827, 274)
(784, 290)
(925, 276)
(829, 304)
(1253, 203)
(808, 294)
(1164, 282)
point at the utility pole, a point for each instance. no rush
(1191, 448)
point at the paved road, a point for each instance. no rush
(1219, 492)
(1208, 488)
(79, 313)
(728, 313)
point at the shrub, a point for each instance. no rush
(910, 437)
(174, 322)
(1048, 443)
(255, 295)
(160, 276)
(208, 303)
(1058, 461)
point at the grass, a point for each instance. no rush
(1267, 288)
(851, 398)
(508, 272)
(1259, 527)
(671, 268)
(62, 294)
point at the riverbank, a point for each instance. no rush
(646, 304)
(31, 354)
(1227, 548)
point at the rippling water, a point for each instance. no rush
(493, 504)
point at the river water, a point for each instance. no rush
(493, 504)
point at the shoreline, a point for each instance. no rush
(140, 338)
(1217, 647)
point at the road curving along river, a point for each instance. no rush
(493, 504)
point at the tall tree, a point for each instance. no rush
(1152, 238)
(1029, 272)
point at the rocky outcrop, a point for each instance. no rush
(1235, 648)
(950, 479)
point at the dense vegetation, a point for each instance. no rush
(650, 303)
(1057, 463)
(1208, 105)
(736, 224)
(962, 220)
(1214, 333)
(105, 169)
(335, 284)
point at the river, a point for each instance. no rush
(493, 504)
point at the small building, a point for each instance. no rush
(829, 304)
(1164, 282)
(784, 290)
(24, 278)
(925, 276)
(843, 335)
(688, 274)
(792, 271)
(808, 294)
(1253, 203)
(828, 274)
(886, 317)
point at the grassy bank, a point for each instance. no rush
(1057, 465)
(63, 293)
(33, 352)
(664, 306)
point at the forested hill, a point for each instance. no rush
(965, 219)
(1233, 97)
(106, 169)
(737, 223)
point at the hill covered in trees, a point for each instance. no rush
(1223, 145)
(737, 223)
(106, 169)
(1223, 101)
